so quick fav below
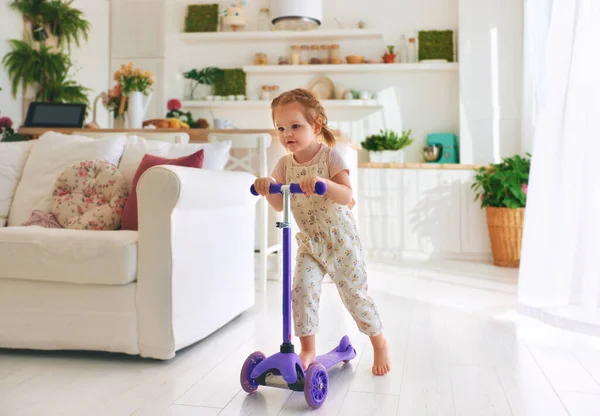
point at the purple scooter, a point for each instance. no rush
(284, 369)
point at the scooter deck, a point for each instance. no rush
(334, 357)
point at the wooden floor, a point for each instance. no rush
(457, 347)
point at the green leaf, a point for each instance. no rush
(501, 183)
(387, 140)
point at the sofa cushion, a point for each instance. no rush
(69, 256)
(50, 155)
(216, 155)
(90, 195)
(130, 214)
(13, 156)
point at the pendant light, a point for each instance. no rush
(296, 14)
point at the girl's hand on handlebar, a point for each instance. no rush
(308, 184)
(261, 185)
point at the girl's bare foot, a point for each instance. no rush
(307, 357)
(381, 362)
(308, 354)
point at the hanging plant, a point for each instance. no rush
(42, 67)
(66, 23)
(34, 11)
(28, 67)
(62, 90)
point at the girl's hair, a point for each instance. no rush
(313, 110)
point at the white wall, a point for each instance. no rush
(11, 27)
(423, 102)
(137, 30)
(90, 61)
(491, 65)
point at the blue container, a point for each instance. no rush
(449, 144)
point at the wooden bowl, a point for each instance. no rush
(355, 59)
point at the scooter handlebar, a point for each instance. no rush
(275, 188)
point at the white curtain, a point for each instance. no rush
(559, 279)
(536, 19)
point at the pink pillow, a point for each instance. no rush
(43, 219)
(129, 221)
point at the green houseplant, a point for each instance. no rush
(501, 189)
(206, 77)
(41, 64)
(387, 146)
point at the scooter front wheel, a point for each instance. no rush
(249, 385)
(316, 385)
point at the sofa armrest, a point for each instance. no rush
(195, 254)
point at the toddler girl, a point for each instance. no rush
(328, 241)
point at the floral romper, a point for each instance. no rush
(328, 243)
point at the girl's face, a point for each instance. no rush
(295, 132)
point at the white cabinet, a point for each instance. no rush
(420, 213)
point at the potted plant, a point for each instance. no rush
(389, 57)
(207, 77)
(502, 190)
(387, 146)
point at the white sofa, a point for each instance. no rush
(188, 271)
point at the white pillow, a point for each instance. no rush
(13, 156)
(52, 153)
(216, 155)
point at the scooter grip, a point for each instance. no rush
(320, 188)
(275, 188)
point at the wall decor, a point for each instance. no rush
(436, 44)
(233, 82)
(202, 18)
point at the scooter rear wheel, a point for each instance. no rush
(249, 385)
(316, 385)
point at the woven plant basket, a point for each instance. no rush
(505, 227)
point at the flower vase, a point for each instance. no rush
(136, 108)
(119, 122)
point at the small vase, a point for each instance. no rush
(387, 156)
(119, 122)
(202, 91)
(136, 109)
(389, 58)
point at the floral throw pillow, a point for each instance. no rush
(90, 195)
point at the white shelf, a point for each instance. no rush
(338, 109)
(292, 69)
(245, 36)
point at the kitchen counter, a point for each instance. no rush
(196, 135)
(439, 166)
